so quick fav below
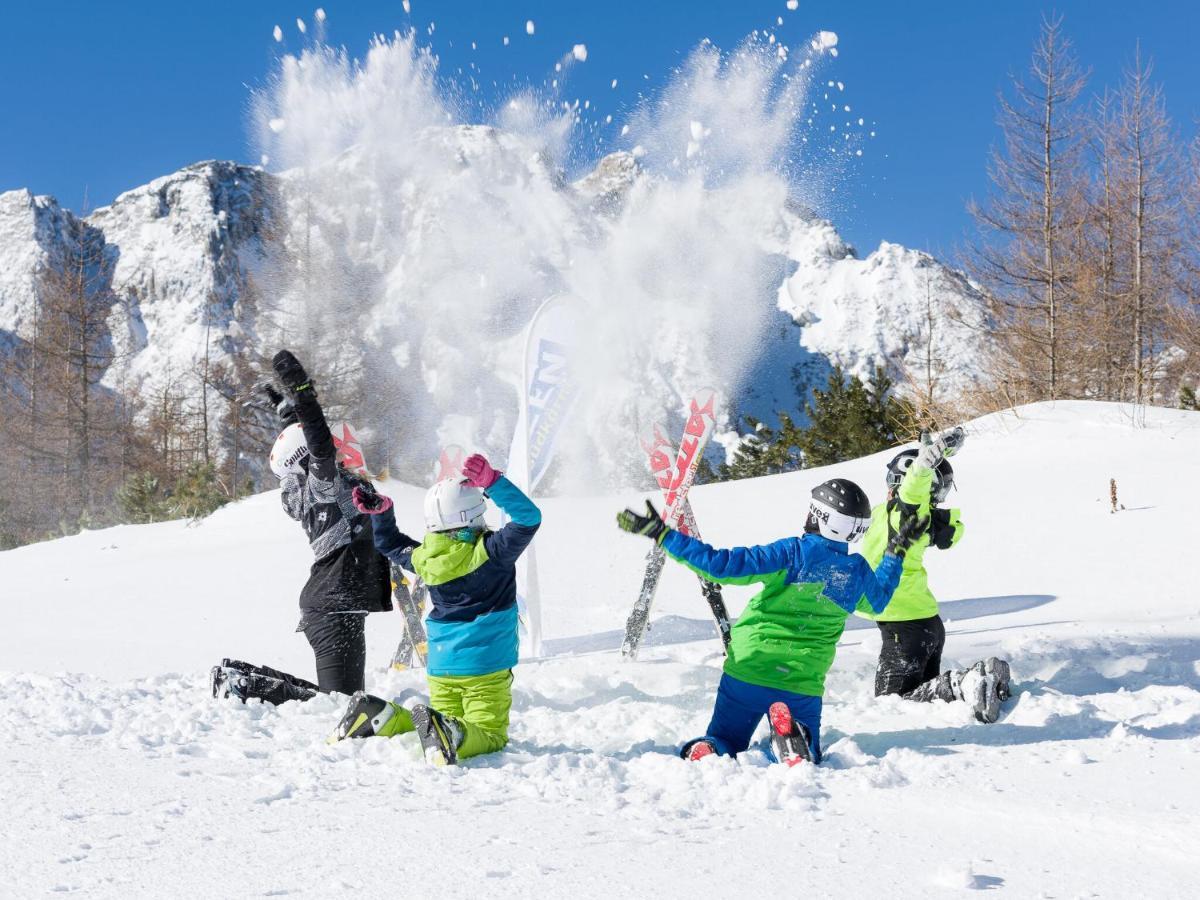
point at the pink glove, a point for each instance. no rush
(479, 472)
(368, 502)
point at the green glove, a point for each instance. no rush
(651, 524)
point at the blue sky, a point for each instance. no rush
(99, 98)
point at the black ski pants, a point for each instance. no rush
(339, 642)
(910, 660)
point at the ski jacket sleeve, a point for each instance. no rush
(391, 541)
(740, 565)
(915, 488)
(291, 495)
(505, 545)
(879, 584)
(323, 459)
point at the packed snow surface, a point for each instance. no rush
(121, 775)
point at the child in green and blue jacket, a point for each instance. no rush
(472, 627)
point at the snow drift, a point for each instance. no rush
(118, 764)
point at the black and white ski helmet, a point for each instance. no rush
(839, 510)
(943, 475)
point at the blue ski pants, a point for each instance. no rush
(740, 707)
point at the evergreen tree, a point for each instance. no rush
(1187, 398)
(850, 419)
(142, 500)
(198, 492)
(766, 451)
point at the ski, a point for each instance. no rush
(659, 454)
(702, 420)
(409, 600)
(409, 597)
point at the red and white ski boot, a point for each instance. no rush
(789, 739)
(699, 750)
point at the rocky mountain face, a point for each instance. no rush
(378, 279)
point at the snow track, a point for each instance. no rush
(117, 783)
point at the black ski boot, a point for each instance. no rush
(790, 740)
(234, 678)
(440, 735)
(366, 716)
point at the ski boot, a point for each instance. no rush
(789, 739)
(234, 678)
(366, 716)
(698, 749)
(984, 687)
(229, 679)
(440, 735)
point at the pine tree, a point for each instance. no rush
(198, 492)
(1187, 398)
(850, 419)
(142, 500)
(766, 451)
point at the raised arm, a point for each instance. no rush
(739, 565)
(505, 545)
(879, 584)
(389, 539)
(323, 453)
(876, 586)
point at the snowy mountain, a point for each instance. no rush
(182, 251)
(411, 271)
(119, 764)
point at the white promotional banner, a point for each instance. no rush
(549, 391)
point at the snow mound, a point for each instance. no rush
(119, 763)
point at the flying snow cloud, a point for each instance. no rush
(419, 243)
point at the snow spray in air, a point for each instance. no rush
(416, 241)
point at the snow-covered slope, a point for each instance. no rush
(122, 775)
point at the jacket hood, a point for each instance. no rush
(442, 557)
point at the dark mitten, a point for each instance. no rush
(911, 528)
(368, 501)
(283, 406)
(651, 524)
(290, 372)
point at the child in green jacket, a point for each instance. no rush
(910, 659)
(783, 644)
(472, 627)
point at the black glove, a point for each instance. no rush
(273, 396)
(291, 373)
(911, 528)
(651, 524)
(283, 406)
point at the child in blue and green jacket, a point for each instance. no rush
(472, 627)
(783, 644)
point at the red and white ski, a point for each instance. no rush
(701, 422)
(661, 455)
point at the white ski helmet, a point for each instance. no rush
(291, 449)
(290, 452)
(452, 504)
(839, 510)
